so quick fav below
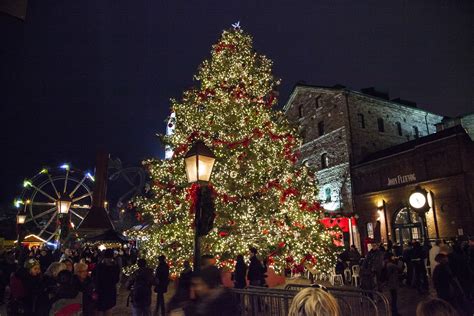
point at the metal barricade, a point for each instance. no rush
(264, 301)
(260, 301)
(354, 301)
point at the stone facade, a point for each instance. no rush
(340, 127)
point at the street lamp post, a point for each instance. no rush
(20, 221)
(63, 204)
(199, 162)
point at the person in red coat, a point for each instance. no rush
(24, 287)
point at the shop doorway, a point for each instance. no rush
(408, 226)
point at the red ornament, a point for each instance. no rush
(223, 234)
(281, 244)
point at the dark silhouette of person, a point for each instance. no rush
(240, 273)
(162, 277)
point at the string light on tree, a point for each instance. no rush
(262, 195)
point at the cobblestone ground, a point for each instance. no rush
(407, 300)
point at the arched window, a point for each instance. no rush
(408, 226)
(361, 120)
(380, 124)
(327, 195)
(300, 111)
(324, 161)
(399, 128)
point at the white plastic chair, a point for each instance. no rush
(356, 275)
(333, 278)
(347, 275)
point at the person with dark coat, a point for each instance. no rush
(7, 267)
(418, 261)
(182, 296)
(162, 277)
(354, 256)
(407, 255)
(45, 259)
(106, 277)
(83, 282)
(24, 289)
(140, 284)
(446, 284)
(240, 273)
(48, 288)
(68, 298)
(211, 298)
(256, 272)
(459, 264)
(392, 271)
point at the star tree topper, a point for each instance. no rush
(236, 25)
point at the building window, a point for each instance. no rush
(324, 161)
(327, 194)
(399, 128)
(321, 128)
(370, 230)
(300, 111)
(360, 118)
(380, 124)
(416, 132)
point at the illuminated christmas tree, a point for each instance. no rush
(263, 197)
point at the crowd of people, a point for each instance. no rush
(85, 280)
(81, 281)
(451, 267)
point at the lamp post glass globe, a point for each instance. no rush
(63, 205)
(199, 162)
(417, 200)
(20, 218)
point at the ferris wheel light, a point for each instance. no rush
(17, 203)
(26, 183)
(90, 176)
(64, 166)
(44, 171)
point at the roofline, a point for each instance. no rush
(301, 85)
(463, 132)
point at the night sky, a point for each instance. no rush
(78, 75)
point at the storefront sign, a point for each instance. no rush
(400, 179)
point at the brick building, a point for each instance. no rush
(342, 127)
(440, 166)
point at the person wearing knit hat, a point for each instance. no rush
(24, 288)
(33, 267)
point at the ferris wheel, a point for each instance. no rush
(46, 191)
